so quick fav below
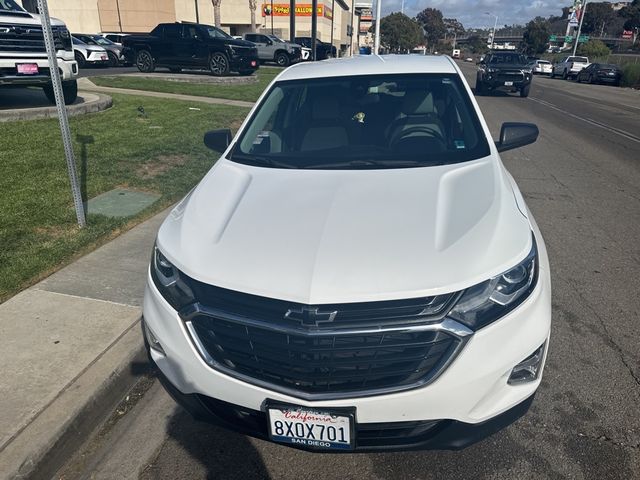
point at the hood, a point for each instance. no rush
(240, 43)
(26, 18)
(330, 236)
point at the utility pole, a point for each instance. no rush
(119, 17)
(495, 25)
(271, 17)
(582, 15)
(353, 15)
(314, 28)
(43, 8)
(333, 5)
(376, 40)
(292, 21)
(197, 12)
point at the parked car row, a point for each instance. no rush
(579, 69)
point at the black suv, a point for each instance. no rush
(190, 45)
(506, 71)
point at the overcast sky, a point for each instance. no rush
(472, 12)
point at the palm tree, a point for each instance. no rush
(253, 4)
(216, 12)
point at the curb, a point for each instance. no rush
(198, 79)
(37, 113)
(45, 445)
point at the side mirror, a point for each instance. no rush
(218, 140)
(269, 42)
(516, 135)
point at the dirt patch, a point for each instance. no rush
(54, 232)
(160, 165)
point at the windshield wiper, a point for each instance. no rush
(370, 163)
(260, 160)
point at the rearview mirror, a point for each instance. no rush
(516, 135)
(218, 140)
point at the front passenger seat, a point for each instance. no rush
(326, 130)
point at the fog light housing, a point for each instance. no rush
(529, 369)
(152, 340)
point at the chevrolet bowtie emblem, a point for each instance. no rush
(310, 317)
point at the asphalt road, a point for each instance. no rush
(582, 181)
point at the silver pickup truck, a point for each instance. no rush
(23, 56)
(274, 49)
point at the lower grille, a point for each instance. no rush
(510, 77)
(323, 365)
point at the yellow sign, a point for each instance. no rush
(302, 10)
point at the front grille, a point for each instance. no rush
(29, 39)
(510, 76)
(323, 351)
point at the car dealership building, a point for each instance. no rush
(141, 16)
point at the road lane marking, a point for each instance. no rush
(617, 131)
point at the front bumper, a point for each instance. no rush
(98, 58)
(242, 63)
(496, 81)
(9, 75)
(471, 391)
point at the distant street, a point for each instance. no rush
(582, 181)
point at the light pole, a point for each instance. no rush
(495, 25)
(582, 15)
(376, 41)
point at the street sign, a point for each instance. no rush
(553, 38)
(627, 34)
(583, 39)
(568, 39)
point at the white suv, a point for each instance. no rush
(358, 270)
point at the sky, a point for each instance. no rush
(472, 12)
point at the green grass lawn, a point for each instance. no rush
(247, 92)
(162, 152)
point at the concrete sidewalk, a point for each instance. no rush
(72, 347)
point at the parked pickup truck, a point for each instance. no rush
(569, 67)
(193, 46)
(274, 49)
(23, 56)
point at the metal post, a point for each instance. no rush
(292, 21)
(495, 25)
(376, 40)
(197, 12)
(314, 28)
(333, 16)
(271, 17)
(62, 111)
(582, 15)
(353, 14)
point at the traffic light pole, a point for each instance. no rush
(62, 111)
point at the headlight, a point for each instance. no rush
(92, 50)
(527, 71)
(490, 300)
(167, 279)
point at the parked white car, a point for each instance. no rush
(358, 270)
(569, 67)
(541, 67)
(86, 54)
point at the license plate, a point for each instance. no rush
(315, 428)
(508, 84)
(27, 68)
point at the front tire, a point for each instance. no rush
(481, 89)
(218, 64)
(282, 59)
(80, 59)
(564, 75)
(69, 92)
(144, 61)
(113, 60)
(524, 91)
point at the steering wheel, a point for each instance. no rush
(402, 134)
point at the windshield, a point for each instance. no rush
(578, 59)
(371, 121)
(214, 32)
(11, 6)
(275, 39)
(510, 58)
(100, 40)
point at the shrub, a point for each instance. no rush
(631, 75)
(593, 48)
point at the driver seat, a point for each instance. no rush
(418, 110)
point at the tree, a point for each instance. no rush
(399, 33)
(432, 23)
(253, 4)
(631, 14)
(593, 49)
(216, 12)
(453, 25)
(536, 36)
(596, 17)
(477, 44)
